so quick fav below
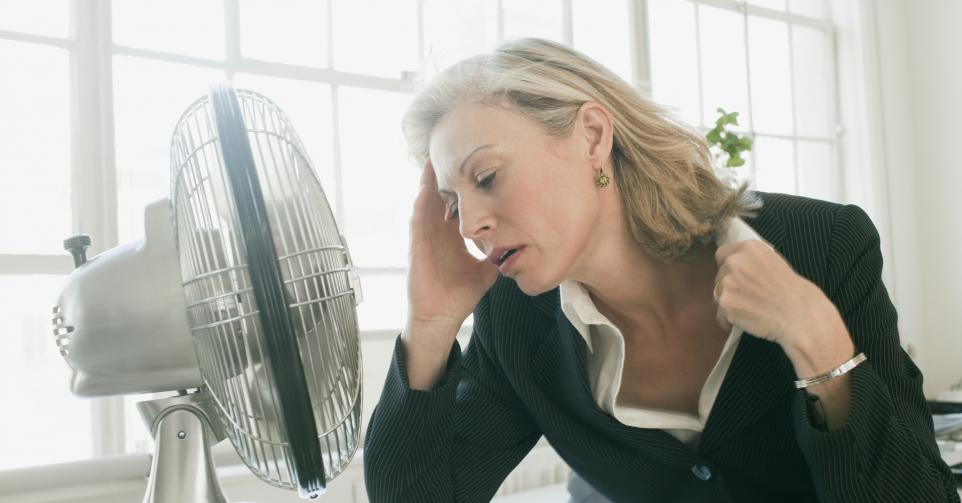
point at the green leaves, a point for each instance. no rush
(728, 142)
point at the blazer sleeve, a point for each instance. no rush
(456, 442)
(886, 449)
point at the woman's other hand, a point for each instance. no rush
(758, 291)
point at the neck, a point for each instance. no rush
(638, 290)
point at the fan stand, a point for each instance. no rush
(182, 469)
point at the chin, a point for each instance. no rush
(534, 288)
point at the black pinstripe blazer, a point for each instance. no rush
(523, 376)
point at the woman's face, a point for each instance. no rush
(512, 186)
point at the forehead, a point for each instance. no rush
(474, 129)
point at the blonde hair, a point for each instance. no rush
(673, 202)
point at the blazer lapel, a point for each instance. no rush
(558, 364)
(755, 381)
(760, 374)
(559, 367)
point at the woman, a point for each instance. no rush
(656, 327)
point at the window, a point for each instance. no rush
(92, 90)
(769, 60)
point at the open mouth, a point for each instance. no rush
(504, 257)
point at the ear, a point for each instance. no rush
(594, 123)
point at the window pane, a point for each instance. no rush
(811, 8)
(190, 27)
(293, 31)
(724, 79)
(813, 79)
(735, 176)
(775, 165)
(771, 81)
(44, 422)
(385, 301)
(456, 30)
(674, 57)
(533, 18)
(769, 4)
(815, 174)
(35, 210)
(138, 438)
(40, 17)
(149, 98)
(376, 37)
(308, 106)
(601, 32)
(379, 181)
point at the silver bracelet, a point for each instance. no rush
(842, 369)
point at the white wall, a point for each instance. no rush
(920, 67)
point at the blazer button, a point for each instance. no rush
(702, 472)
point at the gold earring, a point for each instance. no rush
(601, 179)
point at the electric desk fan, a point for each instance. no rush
(241, 297)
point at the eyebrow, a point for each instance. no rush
(465, 163)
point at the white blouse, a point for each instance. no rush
(606, 358)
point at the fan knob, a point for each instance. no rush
(77, 246)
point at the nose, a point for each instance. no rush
(476, 221)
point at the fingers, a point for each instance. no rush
(724, 279)
(726, 250)
(427, 175)
(721, 316)
(428, 202)
(429, 226)
(752, 247)
(755, 289)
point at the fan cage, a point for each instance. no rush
(222, 313)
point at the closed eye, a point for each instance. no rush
(483, 183)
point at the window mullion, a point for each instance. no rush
(338, 178)
(31, 38)
(791, 93)
(11, 264)
(765, 12)
(748, 82)
(837, 126)
(421, 54)
(701, 87)
(93, 173)
(336, 111)
(500, 18)
(641, 49)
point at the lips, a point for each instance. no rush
(499, 256)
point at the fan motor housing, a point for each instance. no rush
(120, 321)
